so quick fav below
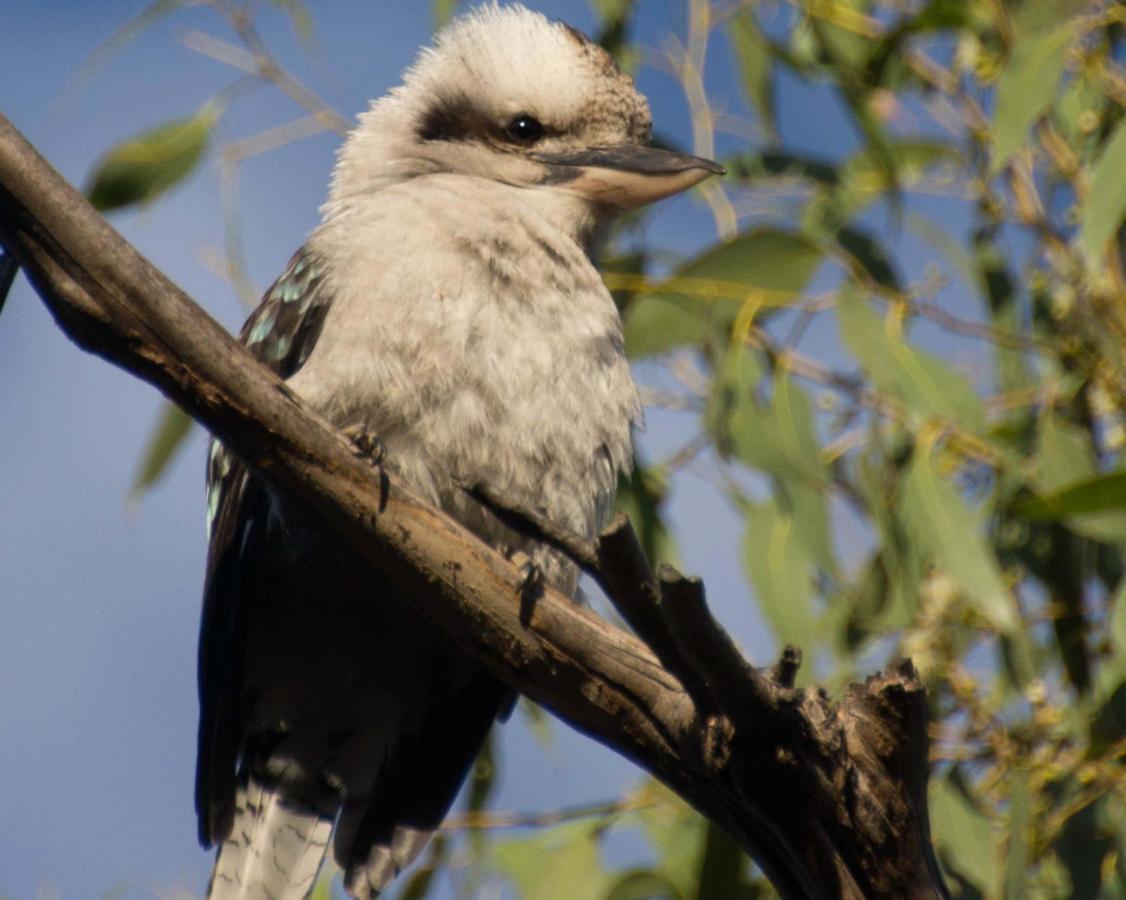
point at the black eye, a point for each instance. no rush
(524, 129)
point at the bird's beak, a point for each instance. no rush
(626, 176)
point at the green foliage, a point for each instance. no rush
(949, 533)
(142, 168)
(926, 453)
(442, 11)
(166, 440)
(1025, 89)
(1106, 198)
(544, 867)
(701, 300)
(985, 469)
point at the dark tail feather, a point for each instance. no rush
(416, 789)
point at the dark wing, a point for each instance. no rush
(281, 333)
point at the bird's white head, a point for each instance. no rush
(507, 95)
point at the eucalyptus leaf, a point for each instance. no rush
(753, 53)
(844, 48)
(1063, 453)
(442, 11)
(766, 267)
(998, 287)
(778, 437)
(656, 324)
(643, 884)
(677, 834)
(733, 398)
(1026, 87)
(1080, 101)
(166, 440)
(1108, 724)
(781, 570)
(1031, 18)
(560, 863)
(954, 536)
(808, 506)
(1106, 199)
(723, 865)
(640, 496)
(940, 14)
(144, 167)
(1117, 628)
(1101, 493)
(1082, 846)
(1018, 857)
(926, 387)
(965, 837)
(900, 560)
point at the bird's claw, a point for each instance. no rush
(366, 443)
(531, 576)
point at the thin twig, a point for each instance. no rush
(686, 453)
(233, 256)
(273, 138)
(934, 313)
(220, 51)
(270, 68)
(489, 820)
(669, 400)
(690, 63)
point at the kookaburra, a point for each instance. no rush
(448, 305)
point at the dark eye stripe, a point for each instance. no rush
(448, 121)
(456, 119)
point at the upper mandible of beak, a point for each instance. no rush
(628, 175)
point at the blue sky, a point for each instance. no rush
(100, 598)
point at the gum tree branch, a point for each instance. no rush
(829, 799)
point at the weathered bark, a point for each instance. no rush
(829, 798)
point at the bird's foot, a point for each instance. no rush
(531, 576)
(366, 443)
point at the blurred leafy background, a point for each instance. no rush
(898, 358)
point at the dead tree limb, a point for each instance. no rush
(829, 798)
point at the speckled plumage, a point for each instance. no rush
(447, 303)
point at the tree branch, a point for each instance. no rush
(829, 799)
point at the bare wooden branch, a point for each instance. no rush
(742, 692)
(627, 580)
(829, 798)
